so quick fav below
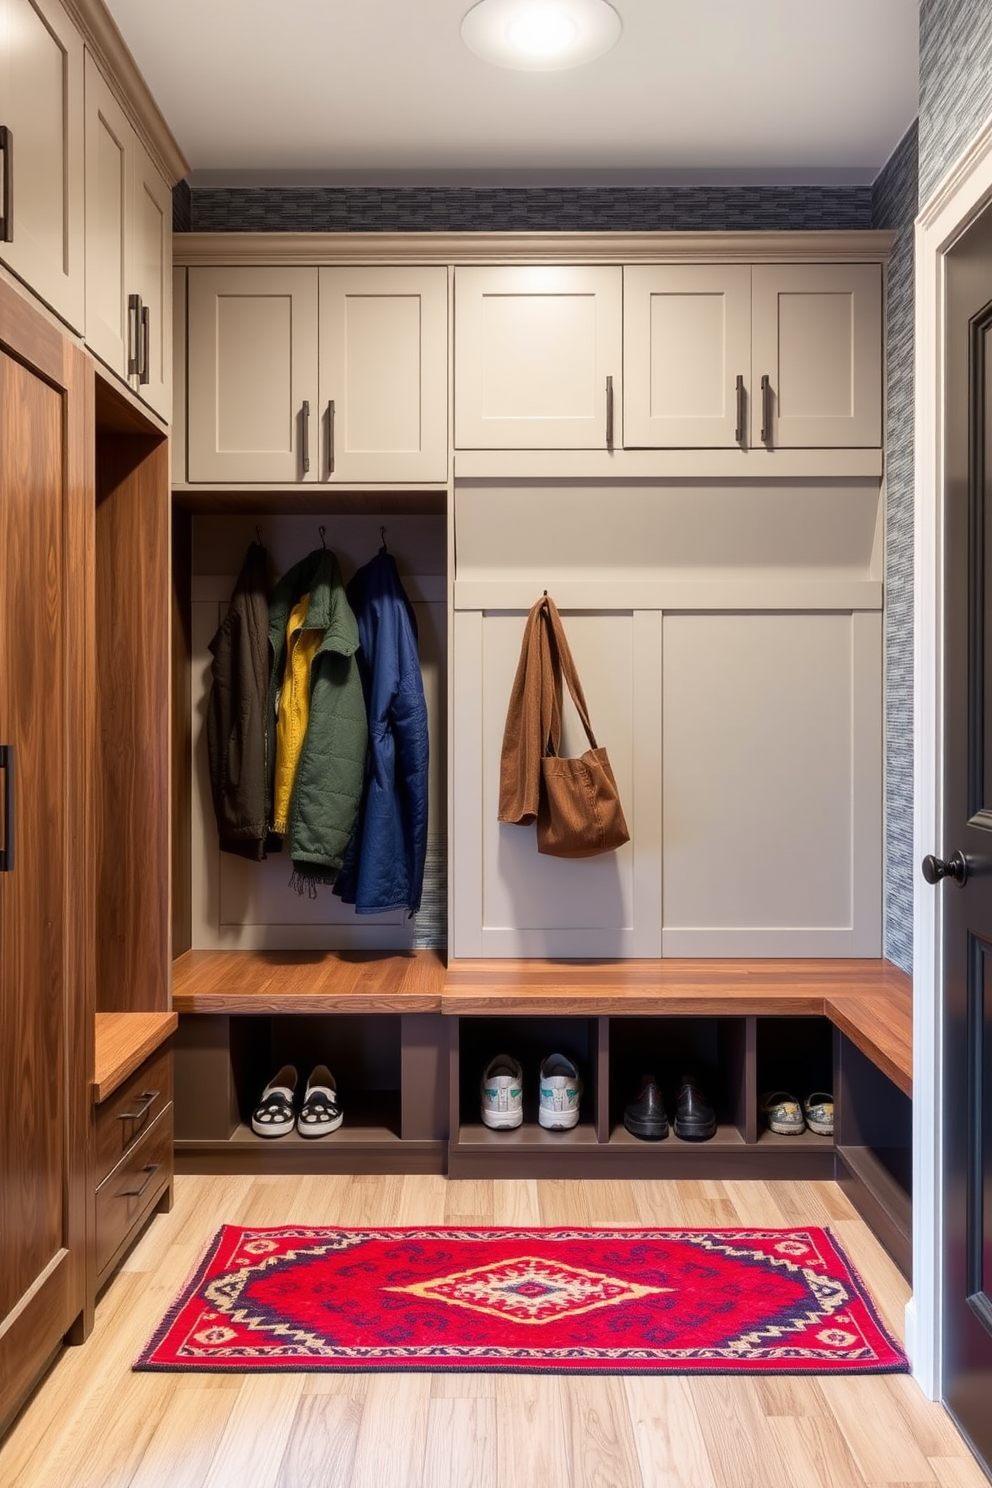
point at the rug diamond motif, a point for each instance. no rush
(528, 1289)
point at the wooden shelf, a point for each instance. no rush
(123, 1042)
(869, 1000)
(274, 982)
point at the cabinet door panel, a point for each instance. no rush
(384, 363)
(772, 784)
(687, 338)
(41, 102)
(109, 145)
(534, 347)
(252, 364)
(817, 332)
(33, 1116)
(150, 276)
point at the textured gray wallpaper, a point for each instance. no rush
(522, 209)
(955, 82)
(894, 204)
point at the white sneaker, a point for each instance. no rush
(560, 1093)
(502, 1092)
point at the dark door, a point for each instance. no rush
(34, 1257)
(967, 848)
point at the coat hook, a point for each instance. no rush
(322, 530)
(259, 536)
(382, 534)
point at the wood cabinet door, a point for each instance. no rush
(817, 339)
(686, 355)
(149, 275)
(536, 348)
(252, 375)
(41, 104)
(383, 374)
(109, 149)
(36, 1261)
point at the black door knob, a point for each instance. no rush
(934, 869)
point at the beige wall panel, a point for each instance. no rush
(242, 905)
(252, 364)
(533, 349)
(41, 87)
(384, 362)
(817, 333)
(109, 143)
(765, 731)
(150, 276)
(523, 903)
(687, 338)
(548, 530)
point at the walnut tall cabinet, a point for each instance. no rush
(85, 1148)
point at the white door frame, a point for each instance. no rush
(962, 194)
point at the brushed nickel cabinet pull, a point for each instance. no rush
(7, 766)
(7, 220)
(144, 344)
(739, 433)
(306, 436)
(330, 437)
(133, 335)
(609, 413)
(146, 1095)
(766, 409)
(135, 1193)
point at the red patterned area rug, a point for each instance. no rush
(578, 1301)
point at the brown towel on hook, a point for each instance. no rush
(531, 714)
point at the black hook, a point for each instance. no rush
(259, 536)
(322, 530)
(382, 534)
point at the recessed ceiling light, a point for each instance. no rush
(540, 35)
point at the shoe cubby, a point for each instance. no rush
(528, 1150)
(390, 1074)
(796, 1056)
(712, 1051)
(873, 1137)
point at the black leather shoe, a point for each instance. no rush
(695, 1121)
(645, 1116)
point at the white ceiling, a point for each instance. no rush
(375, 90)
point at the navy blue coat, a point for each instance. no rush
(384, 864)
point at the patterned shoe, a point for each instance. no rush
(818, 1109)
(502, 1092)
(321, 1111)
(274, 1115)
(560, 1093)
(783, 1113)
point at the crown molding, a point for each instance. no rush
(104, 41)
(255, 249)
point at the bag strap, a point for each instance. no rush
(559, 660)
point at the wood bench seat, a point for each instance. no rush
(870, 1001)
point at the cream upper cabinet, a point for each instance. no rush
(41, 114)
(318, 375)
(252, 375)
(128, 251)
(816, 364)
(538, 357)
(383, 378)
(687, 355)
(767, 356)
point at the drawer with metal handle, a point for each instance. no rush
(128, 1194)
(131, 1109)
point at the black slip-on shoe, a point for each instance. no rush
(645, 1115)
(695, 1120)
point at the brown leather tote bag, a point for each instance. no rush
(579, 812)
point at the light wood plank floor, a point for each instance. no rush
(94, 1424)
